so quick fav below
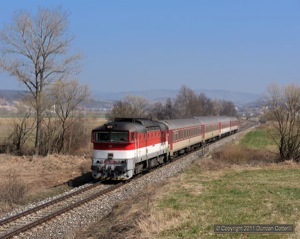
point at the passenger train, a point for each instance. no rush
(128, 146)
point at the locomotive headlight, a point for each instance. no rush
(99, 162)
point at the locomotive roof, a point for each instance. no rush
(132, 125)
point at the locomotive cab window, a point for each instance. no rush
(119, 136)
(111, 136)
(101, 136)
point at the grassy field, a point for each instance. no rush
(212, 192)
(258, 196)
(259, 138)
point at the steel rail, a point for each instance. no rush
(59, 212)
(37, 208)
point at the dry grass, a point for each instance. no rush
(236, 155)
(7, 127)
(42, 176)
(13, 190)
(159, 221)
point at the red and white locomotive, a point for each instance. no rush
(128, 146)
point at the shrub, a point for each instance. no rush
(241, 155)
(13, 190)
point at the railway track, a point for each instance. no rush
(43, 213)
(26, 220)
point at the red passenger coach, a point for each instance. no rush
(184, 135)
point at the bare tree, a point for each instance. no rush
(228, 108)
(169, 109)
(284, 104)
(157, 111)
(66, 96)
(163, 110)
(34, 52)
(130, 106)
(22, 129)
(186, 103)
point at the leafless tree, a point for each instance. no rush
(162, 111)
(33, 50)
(228, 108)
(186, 103)
(204, 105)
(65, 97)
(284, 105)
(22, 129)
(130, 106)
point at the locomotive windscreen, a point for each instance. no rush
(111, 136)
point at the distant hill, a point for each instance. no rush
(11, 95)
(105, 100)
(238, 98)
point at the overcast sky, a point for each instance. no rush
(129, 45)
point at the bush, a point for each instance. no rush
(13, 191)
(237, 155)
(241, 155)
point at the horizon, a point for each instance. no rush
(137, 46)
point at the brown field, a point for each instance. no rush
(6, 126)
(39, 176)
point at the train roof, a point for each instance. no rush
(132, 125)
(213, 119)
(181, 123)
(195, 121)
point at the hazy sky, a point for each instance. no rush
(239, 45)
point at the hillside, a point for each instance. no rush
(10, 95)
(105, 100)
(238, 98)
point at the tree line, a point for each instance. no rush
(186, 104)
